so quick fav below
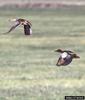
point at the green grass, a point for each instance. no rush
(27, 64)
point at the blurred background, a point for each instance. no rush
(28, 68)
(41, 3)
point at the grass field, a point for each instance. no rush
(28, 68)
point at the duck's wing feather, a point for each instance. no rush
(59, 50)
(12, 28)
(27, 30)
(68, 51)
(60, 62)
(29, 23)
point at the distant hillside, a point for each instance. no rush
(41, 3)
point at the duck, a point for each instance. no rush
(27, 25)
(66, 57)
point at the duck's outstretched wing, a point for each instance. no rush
(12, 28)
(27, 30)
(68, 51)
(61, 51)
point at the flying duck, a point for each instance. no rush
(27, 25)
(66, 57)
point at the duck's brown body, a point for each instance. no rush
(66, 57)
